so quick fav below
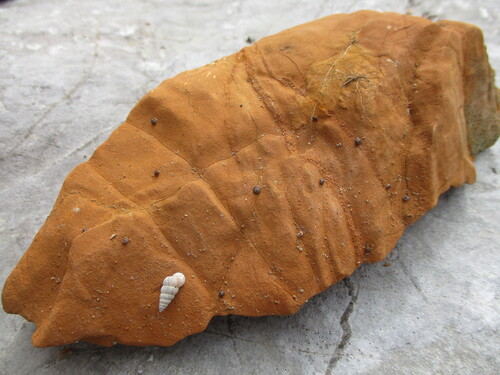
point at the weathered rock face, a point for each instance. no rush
(351, 126)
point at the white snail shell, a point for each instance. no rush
(171, 285)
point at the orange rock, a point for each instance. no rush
(350, 126)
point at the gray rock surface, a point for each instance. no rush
(71, 71)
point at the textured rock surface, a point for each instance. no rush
(439, 290)
(372, 103)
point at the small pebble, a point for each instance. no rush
(156, 172)
(357, 141)
(154, 121)
(85, 229)
(406, 198)
(314, 118)
(256, 189)
(113, 236)
(300, 234)
(125, 241)
(321, 181)
(388, 186)
(221, 293)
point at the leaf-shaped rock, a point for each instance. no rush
(351, 126)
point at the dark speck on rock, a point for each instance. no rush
(250, 40)
(368, 249)
(125, 241)
(357, 141)
(321, 181)
(256, 190)
(406, 198)
(154, 121)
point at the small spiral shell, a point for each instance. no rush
(171, 285)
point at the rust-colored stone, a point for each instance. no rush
(388, 109)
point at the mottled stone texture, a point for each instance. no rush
(387, 109)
